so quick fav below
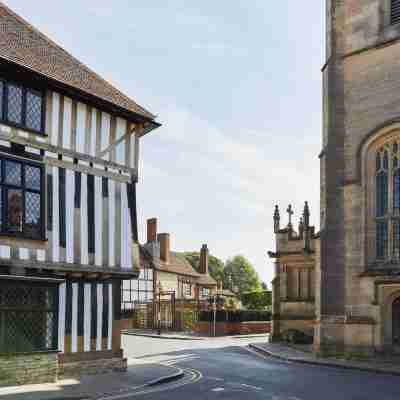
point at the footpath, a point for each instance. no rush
(139, 375)
(385, 365)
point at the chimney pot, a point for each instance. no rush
(164, 240)
(204, 260)
(151, 230)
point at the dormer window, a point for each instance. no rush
(21, 106)
(395, 12)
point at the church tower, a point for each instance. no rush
(358, 274)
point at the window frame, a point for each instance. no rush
(138, 293)
(25, 89)
(53, 289)
(4, 201)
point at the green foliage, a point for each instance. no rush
(215, 265)
(257, 300)
(237, 273)
(295, 336)
(240, 275)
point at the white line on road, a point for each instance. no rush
(194, 376)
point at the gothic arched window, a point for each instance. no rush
(387, 210)
(382, 166)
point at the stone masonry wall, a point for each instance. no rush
(92, 367)
(23, 369)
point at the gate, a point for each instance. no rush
(165, 310)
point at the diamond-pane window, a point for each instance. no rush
(13, 173)
(15, 210)
(21, 205)
(14, 104)
(1, 98)
(28, 317)
(34, 110)
(32, 213)
(32, 177)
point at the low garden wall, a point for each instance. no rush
(233, 328)
(28, 368)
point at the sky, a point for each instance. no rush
(236, 85)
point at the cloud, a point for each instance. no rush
(224, 181)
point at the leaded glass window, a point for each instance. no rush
(381, 194)
(137, 291)
(21, 106)
(21, 200)
(28, 317)
(394, 11)
(33, 110)
(1, 97)
(396, 239)
(14, 104)
(396, 192)
(387, 207)
(382, 239)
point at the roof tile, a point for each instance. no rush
(24, 45)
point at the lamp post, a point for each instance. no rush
(215, 297)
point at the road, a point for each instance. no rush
(226, 369)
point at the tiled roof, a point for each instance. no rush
(178, 265)
(24, 45)
(206, 280)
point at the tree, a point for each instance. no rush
(257, 300)
(240, 274)
(215, 265)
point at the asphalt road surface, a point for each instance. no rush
(226, 369)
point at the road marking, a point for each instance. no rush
(251, 386)
(218, 389)
(173, 361)
(193, 377)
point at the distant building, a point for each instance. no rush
(171, 270)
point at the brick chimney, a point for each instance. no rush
(152, 230)
(204, 259)
(164, 240)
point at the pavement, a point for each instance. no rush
(387, 365)
(141, 374)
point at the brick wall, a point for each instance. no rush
(233, 328)
(22, 369)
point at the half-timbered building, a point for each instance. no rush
(69, 149)
(171, 271)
